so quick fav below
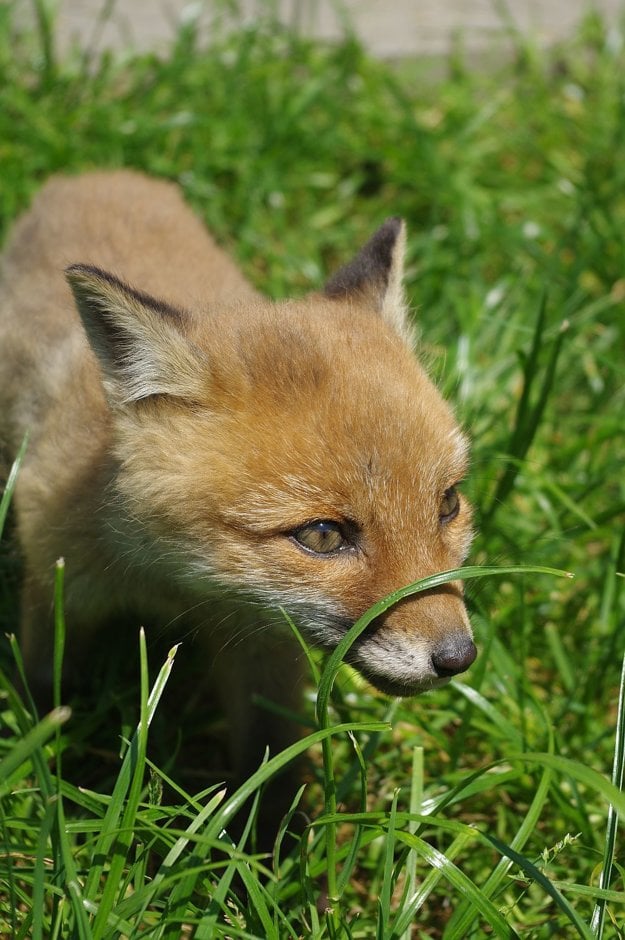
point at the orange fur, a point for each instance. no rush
(180, 446)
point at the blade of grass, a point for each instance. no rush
(59, 635)
(197, 861)
(29, 747)
(40, 881)
(256, 896)
(402, 925)
(566, 669)
(588, 891)
(120, 843)
(572, 768)
(463, 917)
(388, 871)
(350, 861)
(597, 922)
(304, 646)
(10, 875)
(138, 904)
(464, 885)
(505, 727)
(59, 836)
(10, 484)
(25, 718)
(278, 762)
(283, 828)
(74, 892)
(528, 418)
(402, 929)
(110, 823)
(548, 886)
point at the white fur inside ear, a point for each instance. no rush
(139, 341)
(394, 308)
(157, 361)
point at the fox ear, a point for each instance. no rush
(139, 341)
(375, 276)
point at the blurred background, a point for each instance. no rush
(389, 30)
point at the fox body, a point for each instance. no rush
(190, 439)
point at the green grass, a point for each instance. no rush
(479, 810)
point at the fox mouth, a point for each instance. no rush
(401, 674)
(395, 666)
(398, 688)
(403, 671)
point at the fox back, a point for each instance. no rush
(195, 447)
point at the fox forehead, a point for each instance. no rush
(335, 422)
(318, 357)
(346, 483)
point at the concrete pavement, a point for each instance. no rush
(388, 29)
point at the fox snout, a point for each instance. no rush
(419, 644)
(408, 671)
(454, 655)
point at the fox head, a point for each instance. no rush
(296, 452)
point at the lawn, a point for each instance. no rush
(483, 809)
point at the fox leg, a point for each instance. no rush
(262, 668)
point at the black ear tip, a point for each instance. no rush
(77, 271)
(381, 246)
(369, 271)
(73, 271)
(391, 229)
(394, 223)
(386, 236)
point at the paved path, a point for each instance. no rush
(389, 28)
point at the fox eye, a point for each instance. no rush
(322, 537)
(450, 504)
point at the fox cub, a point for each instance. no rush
(200, 453)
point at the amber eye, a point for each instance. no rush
(450, 504)
(322, 537)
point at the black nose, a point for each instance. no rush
(454, 655)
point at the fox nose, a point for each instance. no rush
(454, 655)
